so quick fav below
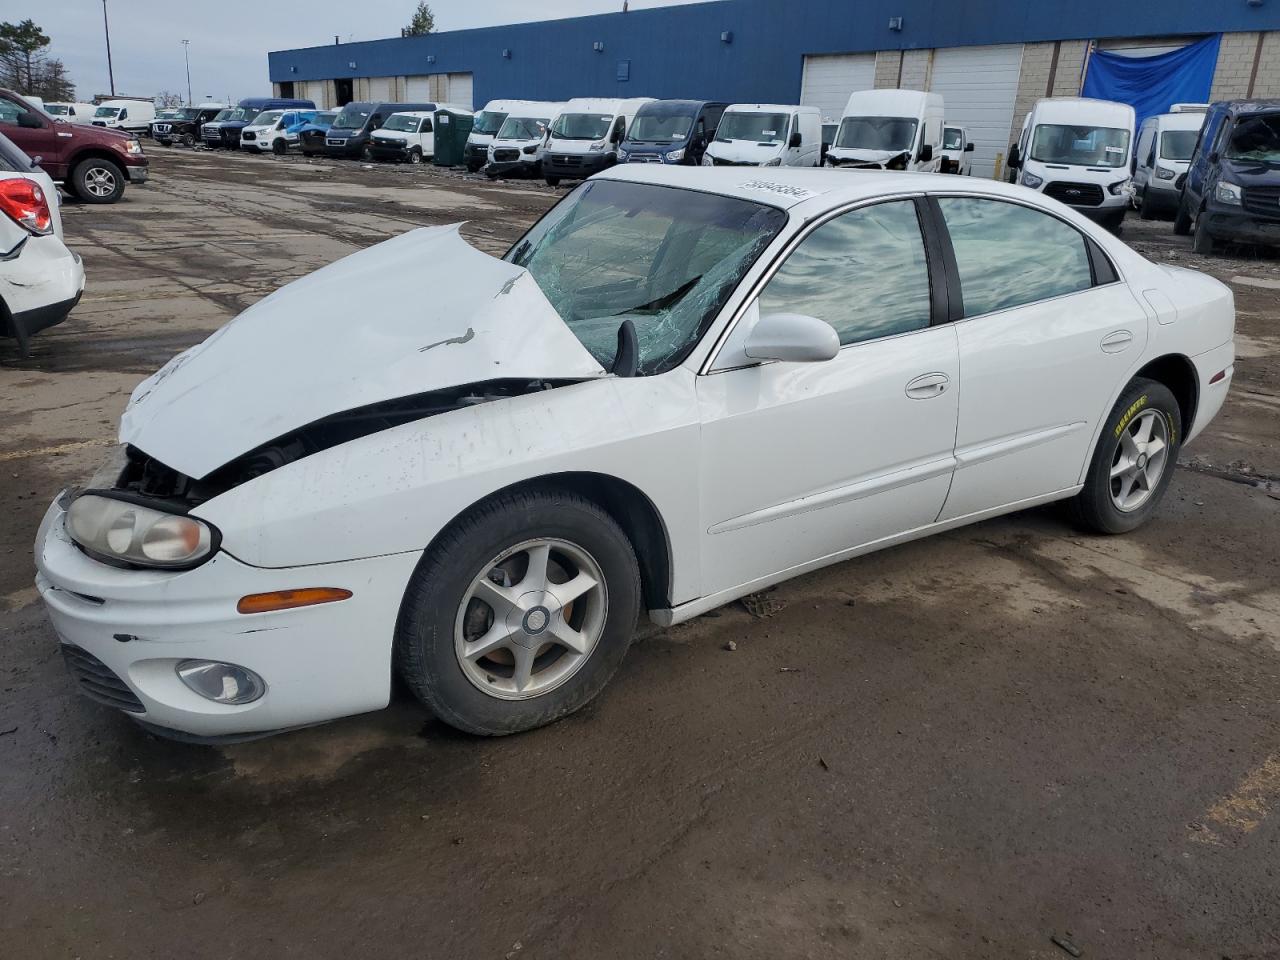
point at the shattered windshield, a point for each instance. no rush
(895, 134)
(488, 122)
(1256, 138)
(663, 258)
(352, 117)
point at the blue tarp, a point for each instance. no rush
(1153, 84)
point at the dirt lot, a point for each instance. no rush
(958, 748)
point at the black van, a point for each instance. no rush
(355, 123)
(1232, 191)
(671, 131)
(185, 127)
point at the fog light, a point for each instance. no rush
(221, 682)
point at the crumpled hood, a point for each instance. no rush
(851, 155)
(424, 311)
(744, 151)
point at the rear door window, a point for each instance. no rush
(1010, 255)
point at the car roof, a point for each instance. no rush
(1074, 109)
(788, 187)
(771, 107)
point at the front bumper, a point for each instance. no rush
(349, 149)
(1235, 225)
(396, 154)
(570, 166)
(515, 168)
(476, 156)
(1109, 215)
(319, 663)
(138, 173)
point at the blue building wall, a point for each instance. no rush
(678, 51)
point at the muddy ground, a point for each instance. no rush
(958, 748)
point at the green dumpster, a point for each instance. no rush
(452, 127)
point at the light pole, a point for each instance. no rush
(111, 77)
(186, 48)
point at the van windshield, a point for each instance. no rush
(952, 139)
(1256, 138)
(243, 113)
(106, 111)
(663, 258)
(1178, 144)
(402, 122)
(187, 113)
(351, 118)
(1081, 146)
(896, 134)
(758, 127)
(661, 128)
(488, 122)
(522, 128)
(267, 117)
(582, 126)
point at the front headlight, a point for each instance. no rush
(1228, 193)
(775, 162)
(622, 155)
(1032, 181)
(123, 532)
(707, 161)
(675, 156)
(598, 147)
(132, 146)
(1119, 187)
(1164, 173)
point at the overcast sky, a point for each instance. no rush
(230, 38)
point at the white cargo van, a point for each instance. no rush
(890, 130)
(584, 139)
(956, 147)
(409, 136)
(767, 135)
(133, 116)
(517, 148)
(1078, 151)
(71, 112)
(487, 124)
(1163, 154)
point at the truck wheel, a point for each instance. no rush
(553, 181)
(188, 140)
(415, 155)
(1203, 243)
(1182, 219)
(97, 181)
(474, 167)
(279, 147)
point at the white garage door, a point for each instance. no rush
(979, 86)
(829, 79)
(417, 89)
(459, 90)
(380, 89)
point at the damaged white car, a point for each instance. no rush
(680, 387)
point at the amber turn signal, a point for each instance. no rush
(289, 599)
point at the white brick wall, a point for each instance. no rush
(917, 67)
(1235, 63)
(887, 64)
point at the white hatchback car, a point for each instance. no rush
(40, 279)
(681, 386)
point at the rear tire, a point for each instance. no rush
(97, 181)
(188, 140)
(1133, 462)
(450, 606)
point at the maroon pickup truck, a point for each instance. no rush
(94, 163)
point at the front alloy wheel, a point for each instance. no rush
(519, 613)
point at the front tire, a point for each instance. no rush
(1203, 242)
(279, 148)
(1146, 209)
(520, 614)
(553, 181)
(1182, 221)
(1133, 462)
(415, 155)
(97, 181)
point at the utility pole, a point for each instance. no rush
(186, 55)
(106, 28)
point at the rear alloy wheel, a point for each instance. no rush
(415, 155)
(97, 181)
(1134, 460)
(520, 613)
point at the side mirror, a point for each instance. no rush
(30, 121)
(796, 140)
(926, 153)
(968, 148)
(792, 337)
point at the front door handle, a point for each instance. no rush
(1117, 342)
(928, 386)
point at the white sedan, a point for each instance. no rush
(681, 386)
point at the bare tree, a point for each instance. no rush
(167, 98)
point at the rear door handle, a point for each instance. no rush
(928, 386)
(1117, 342)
